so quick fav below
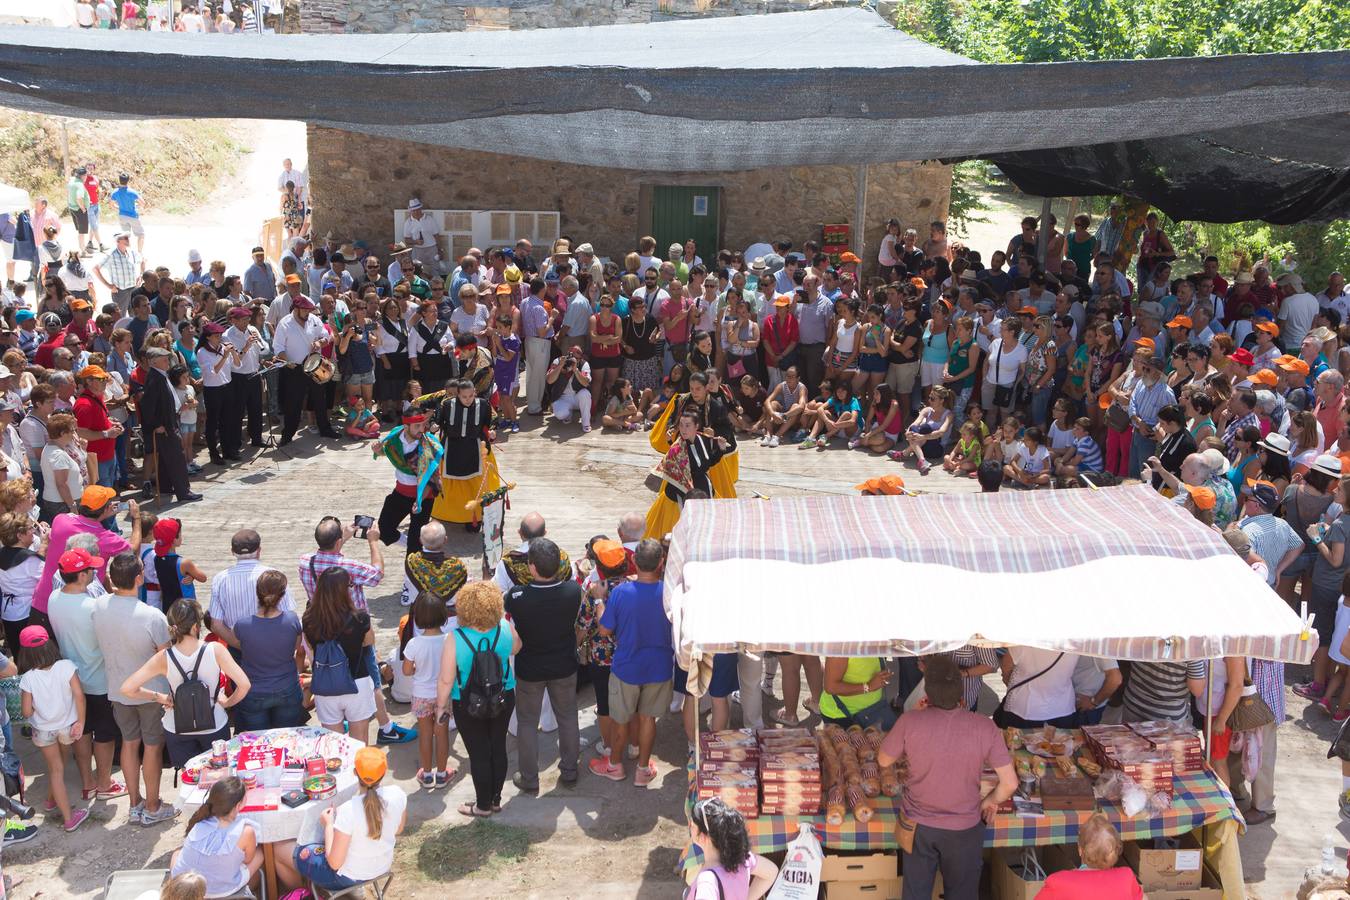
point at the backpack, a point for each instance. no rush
(194, 704)
(331, 673)
(483, 692)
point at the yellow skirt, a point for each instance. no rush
(662, 517)
(724, 476)
(457, 493)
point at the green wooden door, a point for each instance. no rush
(681, 213)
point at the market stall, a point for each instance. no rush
(287, 772)
(1120, 573)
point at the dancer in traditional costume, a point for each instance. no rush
(711, 412)
(685, 468)
(415, 456)
(468, 466)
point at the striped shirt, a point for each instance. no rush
(1146, 399)
(1271, 538)
(1269, 680)
(234, 592)
(1158, 690)
(122, 269)
(1087, 448)
(363, 575)
(969, 657)
(1231, 432)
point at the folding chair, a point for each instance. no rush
(379, 885)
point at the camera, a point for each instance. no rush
(362, 525)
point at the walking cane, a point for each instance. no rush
(153, 463)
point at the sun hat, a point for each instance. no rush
(371, 764)
(1275, 443)
(1244, 278)
(1203, 497)
(1243, 357)
(1327, 465)
(512, 275)
(293, 279)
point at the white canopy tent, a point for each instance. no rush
(1120, 573)
(13, 198)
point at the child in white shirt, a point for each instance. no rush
(422, 660)
(1031, 466)
(53, 703)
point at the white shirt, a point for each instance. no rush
(419, 233)
(296, 177)
(417, 345)
(187, 415)
(208, 359)
(425, 652)
(1003, 362)
(278, 309)
(369, 858)
(464, 322)
(58, 463)
(234, 592)
(1090, 674)
(249, 360)
(1050, 695)
(501, 577)
(653, 306)
(295, 340)
(1297, 313)
(53, 699)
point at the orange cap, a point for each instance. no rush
(1264, 376)
(96, 496)
(371, 764)
(1296, 365)
(610, 553)
(890, 485)
(1181, 322)
(91, 372)
(293, 279)
(1268, 327)
(1028, 311)
(1145, 344)
(1201, 496)
(849, 256)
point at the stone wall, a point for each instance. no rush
(358, 180)
(402, 16)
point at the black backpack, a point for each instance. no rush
(483, 692)
(194, 704)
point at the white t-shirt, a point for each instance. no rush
(84, 15)
(1003, 362)
(17, 585)
(367, 858)
(296, 177)
(419, 232)
(1033, 463)
(57, 462)
(425, 652)
(53, 700)
(1090, 674)
(1297, 313)
(187, 415)
(464, 322)
(1050, 695)
(1060, 439)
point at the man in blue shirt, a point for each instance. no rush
(128, 216)
(260, 279)
(639, 682)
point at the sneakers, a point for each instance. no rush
(426, 779)
(1311, 690)
(773, 440)
(602, 768)
(442, 779)
(136, 815)
(644, 776)
(894, 455)
(515, 427)
(117, 789)
(396, 735)
(519, 781)
(167, 812)
(77, 818)
(18, 832)
(806, 444)
(764, 441)
(822, 443)
(601, 749)
(854, 443)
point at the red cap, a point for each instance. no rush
(166, 531)
(78, 560)
(1243, 357)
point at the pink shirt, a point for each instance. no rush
(1101, 884)
(678, 333)
(947, 751)
(735, 885)
(64, 527)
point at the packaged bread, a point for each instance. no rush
(860, 804)
(855, 737)
(836, 735)
(871, 779)
(730, 754)
(735, 737)
(890, 781)
(874, 736)
(834, 806)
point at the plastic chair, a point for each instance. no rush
(379, 885)
(131, 883)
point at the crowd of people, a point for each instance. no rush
(1067, 357)
(205, 17)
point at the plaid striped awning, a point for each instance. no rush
(1120, 572)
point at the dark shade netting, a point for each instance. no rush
(749, 92)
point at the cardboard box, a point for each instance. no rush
(1210, 889)
(870, 867)
(885, 889)
(1008, 880)
(1173, 870)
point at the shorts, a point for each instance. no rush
(361, 377)
(627, 700)
(93, 216)
(51, 738)
(312, 864)
(837, 359)
(347, 707)
(1218, 745)
(81, 220)
(132, 224)
(598, 676)
(140, 722)
(187, 427)
(931, 373)
(1301, 565)
(901, 377)
(98, 719)
(182, 748)
(423, 707)
(724, 681)
(1322, 604)
(871, 362)
(605, 362)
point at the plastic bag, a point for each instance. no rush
(799, 876)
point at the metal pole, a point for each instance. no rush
(859, 211)
(1209, 716)
(1042, 234)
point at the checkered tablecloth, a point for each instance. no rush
(1200, 799)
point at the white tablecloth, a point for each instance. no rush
(283, 823)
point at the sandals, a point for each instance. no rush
(471, 810)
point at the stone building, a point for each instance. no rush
(361, 184)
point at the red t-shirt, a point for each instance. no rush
(91, 185)
(43, 355)
(92, 413)
(947, 751)
(1099, 884)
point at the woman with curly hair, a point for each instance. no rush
(730, 871)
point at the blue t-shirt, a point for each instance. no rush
(643, 652)
(464, 657)
(126, 200)
(267, 651)
(839, 407)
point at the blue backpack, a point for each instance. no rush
(331, 674)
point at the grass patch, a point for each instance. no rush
(478, 848)
(174, 163)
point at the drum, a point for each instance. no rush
(318, 368)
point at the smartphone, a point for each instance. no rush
(362, 525)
